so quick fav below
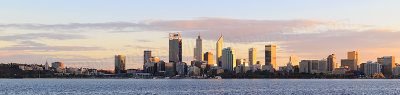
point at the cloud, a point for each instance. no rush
(30, 36)
(307, 38)
(145, 41)
(33, 46)
(234, 30)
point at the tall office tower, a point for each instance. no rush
(198, 50)
(228, 59)
(252, 56)
(175, 47)
(146, 59)
(57, 64)
(219, 51)
(331, 62)
(293, 60)
(208, 56)
(270, 55)
(354, 55)
(388, 64)
(119, 64)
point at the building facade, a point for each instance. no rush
(219, 51)
(270, 55)
(331, 62)
(228, 59)
(208, 56)
(175, 47)
(309, 66)
(388, 64)
(198, 50)
(57, 64)
(146, 58)
(371, 68)
(119, 64)
(252, 56)
(322, 67)
(354, 55)
(351, 63)
(396, 71)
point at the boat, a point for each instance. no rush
(218, 77)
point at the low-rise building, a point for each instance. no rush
(341, 71)
(370, 68)
(396, 71)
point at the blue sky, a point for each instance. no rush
(89, 32)
(50, 11)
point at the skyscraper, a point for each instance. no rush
(270, 55)
(228, 59)
(208, 56)
(219, 50)
(388, 64)
(252, 56)
(146, 59)
(331, 62)
(175, 47)
(119, 64)
(198, 50)
(354, 55)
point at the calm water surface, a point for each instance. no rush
(198, 86)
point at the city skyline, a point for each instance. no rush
(92, 40)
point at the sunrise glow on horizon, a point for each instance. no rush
(90, 33)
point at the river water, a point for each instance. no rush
(199, 86)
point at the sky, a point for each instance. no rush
(88, 33)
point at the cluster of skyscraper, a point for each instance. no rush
(226, 61)
(202, 62)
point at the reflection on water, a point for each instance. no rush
(198, 86)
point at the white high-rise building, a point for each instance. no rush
(219, 51)
(198, 50)
(228, 59)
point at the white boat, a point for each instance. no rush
(218, 77)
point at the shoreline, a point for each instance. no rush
(194, 78)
